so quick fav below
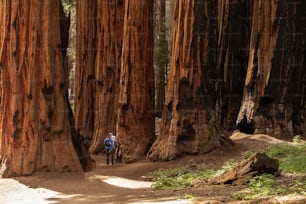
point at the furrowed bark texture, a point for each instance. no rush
(110, 16)
(85, 69)
(189, 123)
(135, 125)
(3, 25)
(273, 100)
(233, 38)
(77, 140)
(35, 129)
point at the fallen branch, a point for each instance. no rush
(258, 163)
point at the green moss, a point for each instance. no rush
(179, 178)
(292, 157)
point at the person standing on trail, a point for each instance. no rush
(110, 146)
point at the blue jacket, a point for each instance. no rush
(109, 144)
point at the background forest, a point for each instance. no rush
(71, 71)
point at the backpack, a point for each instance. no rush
(108, 143)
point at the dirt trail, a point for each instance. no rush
(123, 183)
(119, 183)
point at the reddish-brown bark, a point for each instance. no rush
(109, 22)
(189, 123)
(34, 128)
(135, 125)
(85, 69)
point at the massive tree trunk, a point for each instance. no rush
(109, 23)
(135, 125)
(85, 69)
(35, 129)
(273, 100)
(233, 36)
(189, 123)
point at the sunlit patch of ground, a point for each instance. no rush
(13, 192)
(123, 182)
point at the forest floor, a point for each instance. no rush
(124, 183)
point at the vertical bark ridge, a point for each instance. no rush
(233, 40)
(85, 69)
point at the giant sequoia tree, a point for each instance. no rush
(109, 27)
(189, 123)
(273, 100)
(34, 127)
(135, 125)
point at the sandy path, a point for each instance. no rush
(107, 184)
